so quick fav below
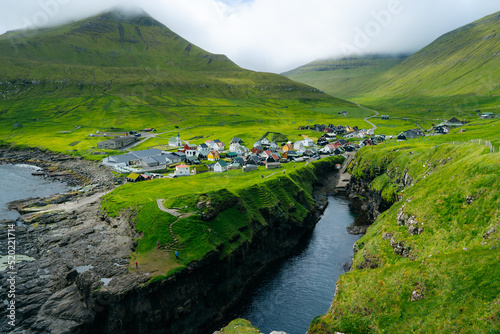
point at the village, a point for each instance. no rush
(182, 158)
(272, 150)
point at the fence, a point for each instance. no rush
(487, 143)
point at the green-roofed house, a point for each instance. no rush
(220, 166)
(134, 177)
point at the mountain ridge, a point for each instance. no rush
(462, 63)
(103, 51)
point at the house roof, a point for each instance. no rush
(182, 166)
(222, 163)
(150, 160)
(201, 168)
(133, 176)
(454, 120)
(146, 153)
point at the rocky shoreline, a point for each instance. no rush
(55, 247)
(74, 171)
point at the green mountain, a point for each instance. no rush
(459, 70)
(60, 84)
(332, 75)
(113, 53)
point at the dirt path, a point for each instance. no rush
(374, 127)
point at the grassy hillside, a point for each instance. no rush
(60, 84)
(429, 264)
(457, 73)
(117, 54)
(332, 75)
(237, 200)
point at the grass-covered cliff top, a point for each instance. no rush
(430, 263)
(218, 212)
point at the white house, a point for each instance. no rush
(233, 147)
(219, 146)
(216, 145)
(308, 142)
(265, 141)
(298, 145)
(273, 146)
(191, 153)
(182, 170)
(241, 150)
(220, 166)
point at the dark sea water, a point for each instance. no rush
(16, 182)
(302, 286)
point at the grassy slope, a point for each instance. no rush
(451, 262)
(332, 75)
(239, 326)
(240, 196)
(456, 74)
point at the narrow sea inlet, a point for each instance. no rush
(302, 286)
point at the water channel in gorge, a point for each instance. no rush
(302, 286)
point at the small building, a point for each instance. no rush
(220, 166)
(173, 158)
(265, 142)
(287, 147)
(384, 117)
(182, 170)
(442, 130)
(410, 134)
(238, 160)
(486, 115)
(236, 140)
(322, 141)
(116, 143)
(134, 177)
(213, 156)
(200, 169)
(249, 168)
(453, 122)
(273, 165)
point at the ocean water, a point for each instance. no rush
(16, 182)
(302, 286)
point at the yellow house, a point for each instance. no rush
(287, 147)
(213, 156)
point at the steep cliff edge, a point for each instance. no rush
(429, 262)
(78, 276)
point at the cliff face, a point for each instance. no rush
(367, 203)
(196, 299)
(78, 277)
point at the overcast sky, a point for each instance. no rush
(277, 35)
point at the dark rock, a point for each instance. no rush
(399, 248)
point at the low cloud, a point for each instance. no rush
(277, 35)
